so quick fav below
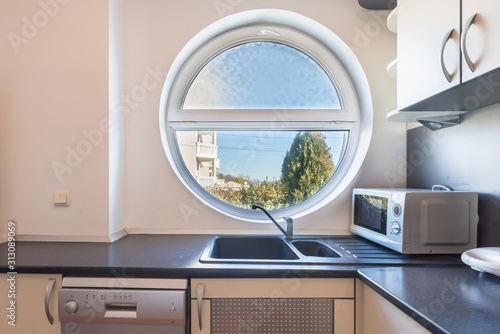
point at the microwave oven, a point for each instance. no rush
(416, 221)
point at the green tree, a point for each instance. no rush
(268, 195)
(307, 166)
(271, 196)
(231, 196)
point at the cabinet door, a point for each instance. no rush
(273, 305)
(481, 42)
(30, 316)
(428, 43)
(375, 314)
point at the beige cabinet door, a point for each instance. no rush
(375, 314)
(28, 293)
(480, 37)
(276, 293)
(428, 48)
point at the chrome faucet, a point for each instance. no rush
(289, 222)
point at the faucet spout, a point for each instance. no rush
(289, 227)
(289, 222)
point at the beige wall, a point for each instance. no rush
(54, 90)
(157, 30)
(53, 96)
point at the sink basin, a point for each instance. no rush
(275, 250)
(314, 248)
(248, 249)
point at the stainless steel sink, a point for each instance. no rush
(266, 249)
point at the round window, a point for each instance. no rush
(266, 107)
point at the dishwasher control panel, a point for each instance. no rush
(123, 305)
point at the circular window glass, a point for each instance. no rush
(261, 111)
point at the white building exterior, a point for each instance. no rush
(199, 151)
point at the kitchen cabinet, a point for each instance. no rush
(480, 39)
(292, 305)
(448, 58)
(28, 292)
(375, 314)
(428, 47)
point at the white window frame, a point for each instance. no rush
(304, 34)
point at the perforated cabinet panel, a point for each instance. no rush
(272, 315)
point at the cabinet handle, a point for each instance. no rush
(48, 291)
(447, 37)
(200, 289)
(468, 24)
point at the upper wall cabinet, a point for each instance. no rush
(428, 49)
(480, 37)
(448, 57)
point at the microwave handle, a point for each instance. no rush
(439, 187)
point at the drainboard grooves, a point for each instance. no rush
(367, 249)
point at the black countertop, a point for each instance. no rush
(442, 299)
(178, 256)
(438, 291)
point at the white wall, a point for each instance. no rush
(53, 88)
(156, 31)
(116, 119)
(56, 86)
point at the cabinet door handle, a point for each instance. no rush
(48, 291)
(447, 37)
(200, 290)
(468, 24)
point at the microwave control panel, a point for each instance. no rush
(395, 215)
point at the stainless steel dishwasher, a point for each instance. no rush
(122, 305)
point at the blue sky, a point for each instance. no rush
(259, 154)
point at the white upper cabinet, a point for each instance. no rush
(480, 37)
(428, 48)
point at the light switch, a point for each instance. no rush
(61, 197)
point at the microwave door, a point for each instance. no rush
(370, 212)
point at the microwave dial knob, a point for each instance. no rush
(396, 209)
(71, 306)
(396, 228)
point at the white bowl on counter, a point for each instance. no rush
(484, 259)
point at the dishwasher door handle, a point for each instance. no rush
(200, 290)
